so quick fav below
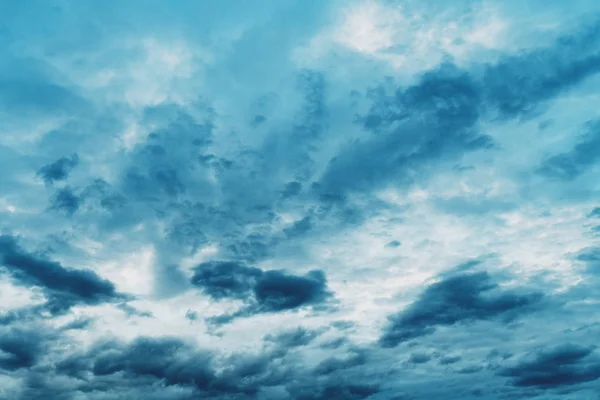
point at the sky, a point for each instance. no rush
(299, 199)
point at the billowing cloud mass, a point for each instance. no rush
(299, 200)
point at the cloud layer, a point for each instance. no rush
(287, 199)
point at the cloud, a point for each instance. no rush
(65, 200)
(277, 291)
(262, 291)
(518, 85)
(455, 299)
(571, 164)
(160, 358)
(336, 158)
(293, 338)
(146, 362)
(335, 364)
(226, 279)
(58, 170)
(19, 349)
(432, 120)
(562, 365)
(63, 286)
(447, 360)
(436, 120)
(419, 358)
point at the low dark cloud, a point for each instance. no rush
(560, 366)
(63, 286)
(262, 291)
(58, 170)
(455, 299)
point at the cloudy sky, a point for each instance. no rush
(299, 199)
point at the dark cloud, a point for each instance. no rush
(164, 359)
(356, 357)
(571, 164)
(518, 85)
(454, 299)
(591, 257)
(262, 291)
(432, 120)
(419, 358)
(165, 362)
(65, 200)
(104, 194)
(19, 349)
(226, 279)
(470, 369)
(595, 212)
(79, 324)
(293, 338)
(446, 360)
(291, 189)
(58, 170)
(435, 120)
(334, 344)
(278, 291)
(131, 311)
(64, 286)
(562, 365)
(299, 228)
(151, 362)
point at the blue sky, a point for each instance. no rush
(278, 199)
